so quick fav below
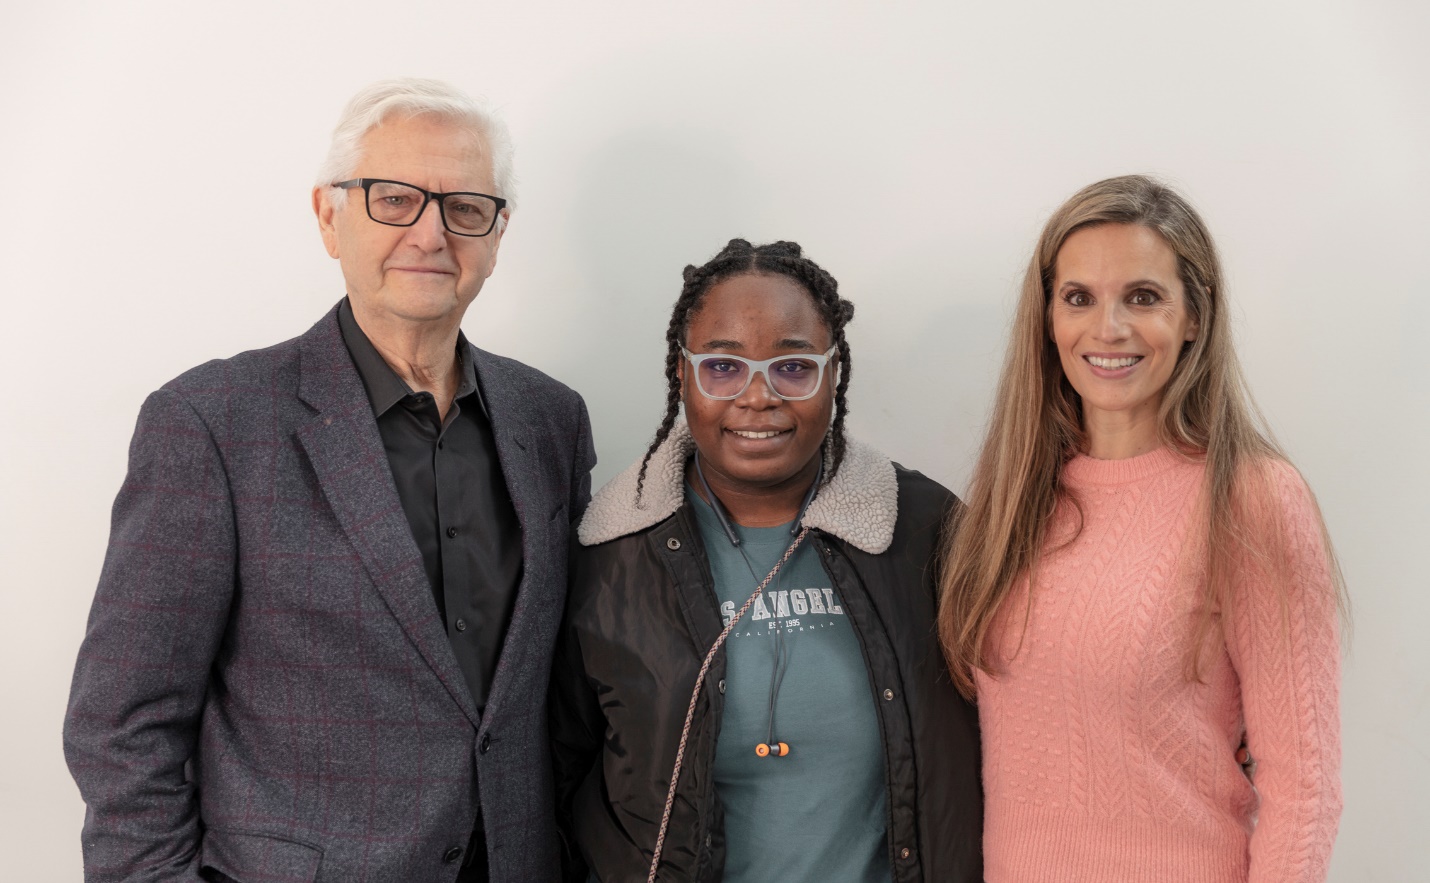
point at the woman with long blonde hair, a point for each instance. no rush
(1143, 589)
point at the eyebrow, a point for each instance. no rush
(1140, 283)
(784, 343)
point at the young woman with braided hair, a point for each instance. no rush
(748, 685)
(738, 257)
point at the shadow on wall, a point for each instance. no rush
(647, 204)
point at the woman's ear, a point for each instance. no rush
(1194, 327)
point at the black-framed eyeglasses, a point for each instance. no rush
(400, 205)
(793, 378)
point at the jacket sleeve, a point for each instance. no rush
(154, 630)
(1283, 641)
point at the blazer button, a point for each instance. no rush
(905, 853)
(673, 544)
(722, 685)
(888, 695)
(486, 744)
(452, 854)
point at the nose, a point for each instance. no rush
(427, 232)
(1112, 320)
(758, 396)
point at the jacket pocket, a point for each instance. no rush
(257, 858)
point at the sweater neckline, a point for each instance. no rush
(1086, 470)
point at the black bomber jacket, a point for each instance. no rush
(620, 692)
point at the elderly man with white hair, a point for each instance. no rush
(320, 645)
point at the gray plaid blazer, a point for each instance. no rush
(265, 689)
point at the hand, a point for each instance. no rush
(1248, 763)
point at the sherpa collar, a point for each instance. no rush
(860, 504)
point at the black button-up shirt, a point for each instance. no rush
(454, 495)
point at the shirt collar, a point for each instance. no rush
(384, 387)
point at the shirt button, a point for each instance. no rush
(888, 695)
(451, 532)
(672, 544)
(461, 625)
(722, 685)
(452, 854)
(905, 853)
(486, 744)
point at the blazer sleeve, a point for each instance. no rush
(155, 627)
(1283, 639)
(577, 727)
(577, 721)
(582, 464)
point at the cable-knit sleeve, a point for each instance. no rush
(1283, 638)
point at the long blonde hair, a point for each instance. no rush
(1036, 427)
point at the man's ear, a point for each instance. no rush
(323, 208)
(498, 231)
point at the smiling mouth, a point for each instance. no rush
(746, 433)
(1112, 364)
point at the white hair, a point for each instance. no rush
(409, 97)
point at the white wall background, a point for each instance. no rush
(154, 214)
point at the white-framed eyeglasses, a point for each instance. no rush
(724, 376)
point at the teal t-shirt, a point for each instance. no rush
(818, 813)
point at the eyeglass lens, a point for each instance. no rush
(791, 378)
(398, 204)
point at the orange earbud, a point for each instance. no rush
(779, 749)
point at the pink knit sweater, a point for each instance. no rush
(1101, 760)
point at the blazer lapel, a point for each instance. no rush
(346, 451)
(520, 469)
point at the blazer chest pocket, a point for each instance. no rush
(240, 856)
